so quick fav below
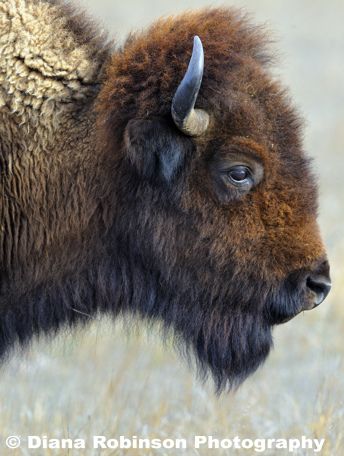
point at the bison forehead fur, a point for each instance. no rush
(106, 206)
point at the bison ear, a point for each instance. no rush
(155, 148)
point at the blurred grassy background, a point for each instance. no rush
(99, 381)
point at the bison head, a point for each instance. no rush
(178, 193)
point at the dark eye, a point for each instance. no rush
(235, 173)
(239, 175)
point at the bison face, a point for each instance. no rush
(217, 204)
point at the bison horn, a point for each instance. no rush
(192, 122)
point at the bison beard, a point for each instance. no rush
(116, 189)
(231, 344)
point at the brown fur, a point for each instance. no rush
(246, 106)
(88, 224)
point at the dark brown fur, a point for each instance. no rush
(122, 213)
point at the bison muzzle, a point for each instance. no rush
(164, 179)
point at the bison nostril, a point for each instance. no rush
(320, 286)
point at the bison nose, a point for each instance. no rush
(319, 283)
(320, 286)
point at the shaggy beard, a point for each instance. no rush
(222, 340)
(225, 340)
(228, 347)
(231, 344)
(228, 337)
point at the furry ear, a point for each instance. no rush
(155, 148)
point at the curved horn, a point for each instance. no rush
(192, 122)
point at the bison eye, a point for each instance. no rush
(240, 175)
(235, 171)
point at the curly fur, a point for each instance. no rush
(106, 206)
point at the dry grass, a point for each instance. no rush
(99, 381)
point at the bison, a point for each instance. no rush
(154, 179)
